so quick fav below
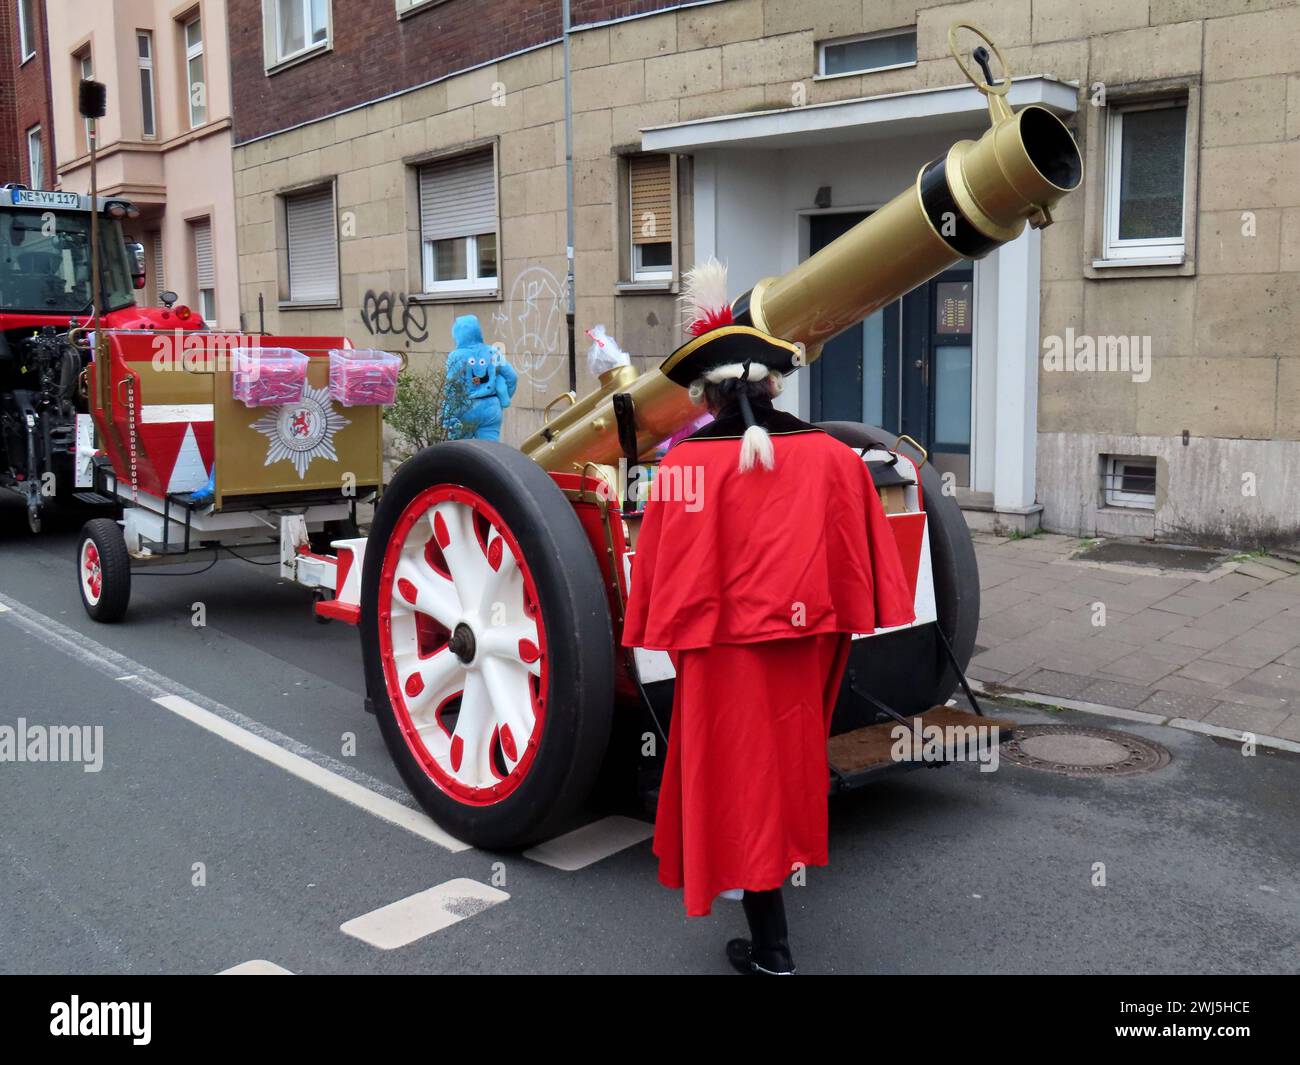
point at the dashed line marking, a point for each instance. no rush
(256, 967)
(349, 791)
(591, 843)
(343, 781)
(410, 919)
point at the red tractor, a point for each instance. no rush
(45, 309)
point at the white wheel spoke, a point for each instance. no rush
(502, 641)
(435, 595)
(500, 584)
(512, 705)
(474, 730)
(468, 565)
(441, 675)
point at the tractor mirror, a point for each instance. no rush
(138, 275)
(168, 298)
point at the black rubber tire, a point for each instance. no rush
(929, 681)
(575, 612)
(114, 568)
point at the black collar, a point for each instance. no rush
(729, 425)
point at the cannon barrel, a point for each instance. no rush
(963, 205)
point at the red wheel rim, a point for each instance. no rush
(463, 645)
(92, 574)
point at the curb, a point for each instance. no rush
(1055, 702)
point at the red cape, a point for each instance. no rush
(725, 557)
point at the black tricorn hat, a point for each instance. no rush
(885, 474)
(730, 345)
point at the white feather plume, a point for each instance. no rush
(705, 292)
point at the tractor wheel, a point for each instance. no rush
(487, 642)
(908, 670)
(103, 570)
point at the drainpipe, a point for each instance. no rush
(568, 202)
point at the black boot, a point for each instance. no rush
(767, 952)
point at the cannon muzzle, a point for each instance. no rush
(963, 205)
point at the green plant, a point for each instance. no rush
(420, 414)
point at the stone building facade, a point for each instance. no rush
(763, 128)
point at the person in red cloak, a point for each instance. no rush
(763, 547)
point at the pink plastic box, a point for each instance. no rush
(361, 377)
(268, 377)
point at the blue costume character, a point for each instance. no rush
(489, 382)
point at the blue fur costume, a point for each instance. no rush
(489, 379)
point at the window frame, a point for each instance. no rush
(35, 163)
(309, 46)
(193, 52)
(472, 285)
(897, 31)
(283, 198)
(406, 8)
(1114, 249)
(146, 64)
(1113, 496)
(26, 47)
(85, 60)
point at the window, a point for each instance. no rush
(1130, 481)
(313, 247)
(205, 274)
(458, 223)
(86, 70)
(874, 51)
(198, 91)
(1146, 153)
(35, 165)
(405, 6)
(26, 29)
(144, 50)
(650, 214)
(300, 26)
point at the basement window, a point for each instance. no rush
(1129, 481)
(886, 50)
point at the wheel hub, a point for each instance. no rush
(462, 643)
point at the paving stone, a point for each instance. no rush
(1186, 605)
(1288, 729)
(1052, 682)
(1222, 588)
(1006, 625)
(1198, 638)
(1260, 572)
(1208, 671)
(1176, 704)
(1115, 693)
(1001, 598)
(984, 675)
(1255, 648)
(1271, 680)
(1233, 617)
(1147, 626)
(1140, 666)
(1273, 562)
(1188, 686)
(1246, 718)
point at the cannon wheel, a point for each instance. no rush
(916, 675)
(487, 642)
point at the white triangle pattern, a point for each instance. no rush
(189, 472)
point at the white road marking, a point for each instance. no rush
(343, 781)
(381, 806)
(256, 967)
(590, 843)
(423, 913)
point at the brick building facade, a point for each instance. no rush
(764, 127)
(26, 115)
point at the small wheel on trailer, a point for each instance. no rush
(34, 522)
(487, 643)
(103, 570)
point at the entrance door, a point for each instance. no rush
(907, 368)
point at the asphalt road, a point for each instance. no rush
(949, 871)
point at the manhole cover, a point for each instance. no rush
(1083, 752)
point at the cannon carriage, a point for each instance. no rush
(490, 590)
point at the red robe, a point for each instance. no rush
(753, 582)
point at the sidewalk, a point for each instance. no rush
(1221, 648)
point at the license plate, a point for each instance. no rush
(38, 198)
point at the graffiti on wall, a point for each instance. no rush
(530, 324)
(394, 313)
